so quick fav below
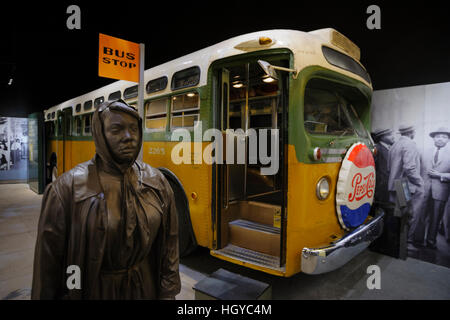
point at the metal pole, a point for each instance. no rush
(141, 91)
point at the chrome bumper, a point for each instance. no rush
(321, 260)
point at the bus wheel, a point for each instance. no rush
(186, 236)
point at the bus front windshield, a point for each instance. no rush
(328, 112)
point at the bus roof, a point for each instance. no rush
(305, 46)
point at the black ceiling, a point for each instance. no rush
(50, 64)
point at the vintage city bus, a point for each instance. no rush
(312, 90)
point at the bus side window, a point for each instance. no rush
(52, 129)
(156, 114)
(59, 131)
(185, 110)
(68, 126)
(87, 124)
(77, 126)
(98, 101)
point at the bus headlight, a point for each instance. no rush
(323, 188)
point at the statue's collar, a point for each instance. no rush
(86, 181)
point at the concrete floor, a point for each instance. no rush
(409, 279)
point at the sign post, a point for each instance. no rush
(123, 60)
(141, 91)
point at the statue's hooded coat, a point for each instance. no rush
(73, 222)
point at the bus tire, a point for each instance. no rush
(186, 236)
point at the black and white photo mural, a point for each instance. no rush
(411, 127)
(13, 149)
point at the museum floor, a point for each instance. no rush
(409, 279)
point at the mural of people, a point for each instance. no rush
(420, 154)
(404, 162)
(15, 151)
(13, 148)
(437, 177)
(383, 139)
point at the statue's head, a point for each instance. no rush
(117, 131)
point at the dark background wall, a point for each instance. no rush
(50, 64)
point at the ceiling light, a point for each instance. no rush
(268, 79)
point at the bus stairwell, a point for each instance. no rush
(252, 193)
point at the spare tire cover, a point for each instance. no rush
(355, 187)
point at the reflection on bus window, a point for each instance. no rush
(156, 85)
(77, 126)
(326, 112)
(115, 95)
(189, 77)
(68, 126)
(87, 124)
(185, 110)
(87, 105)
(131, 92)
(98, 101)
(156, 114)
(59, 132)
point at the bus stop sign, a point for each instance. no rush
(118, 59)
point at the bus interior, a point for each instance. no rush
(250, 203)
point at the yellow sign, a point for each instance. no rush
(118, 59)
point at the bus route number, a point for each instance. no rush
(157, 150)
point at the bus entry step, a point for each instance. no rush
(225, 285)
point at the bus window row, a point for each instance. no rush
(182, 79)
(184, 110)
(75, 126)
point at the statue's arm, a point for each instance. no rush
(170, 284)
(50, 247)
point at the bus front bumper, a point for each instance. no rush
(322, 260)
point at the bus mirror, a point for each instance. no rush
(270, 69)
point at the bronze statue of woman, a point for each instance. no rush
(113, 217)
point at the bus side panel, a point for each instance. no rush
(81, 151)
(60, 156)
(311, 222)
(51, 148)
(68, 155)
(195, 178)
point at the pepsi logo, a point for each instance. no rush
(356, 186)
(363, 187)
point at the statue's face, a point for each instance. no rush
(122, 135)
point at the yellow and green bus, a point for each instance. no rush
(308, 86)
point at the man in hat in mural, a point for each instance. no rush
(384, 139)
(437, 184)
(405, 162)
